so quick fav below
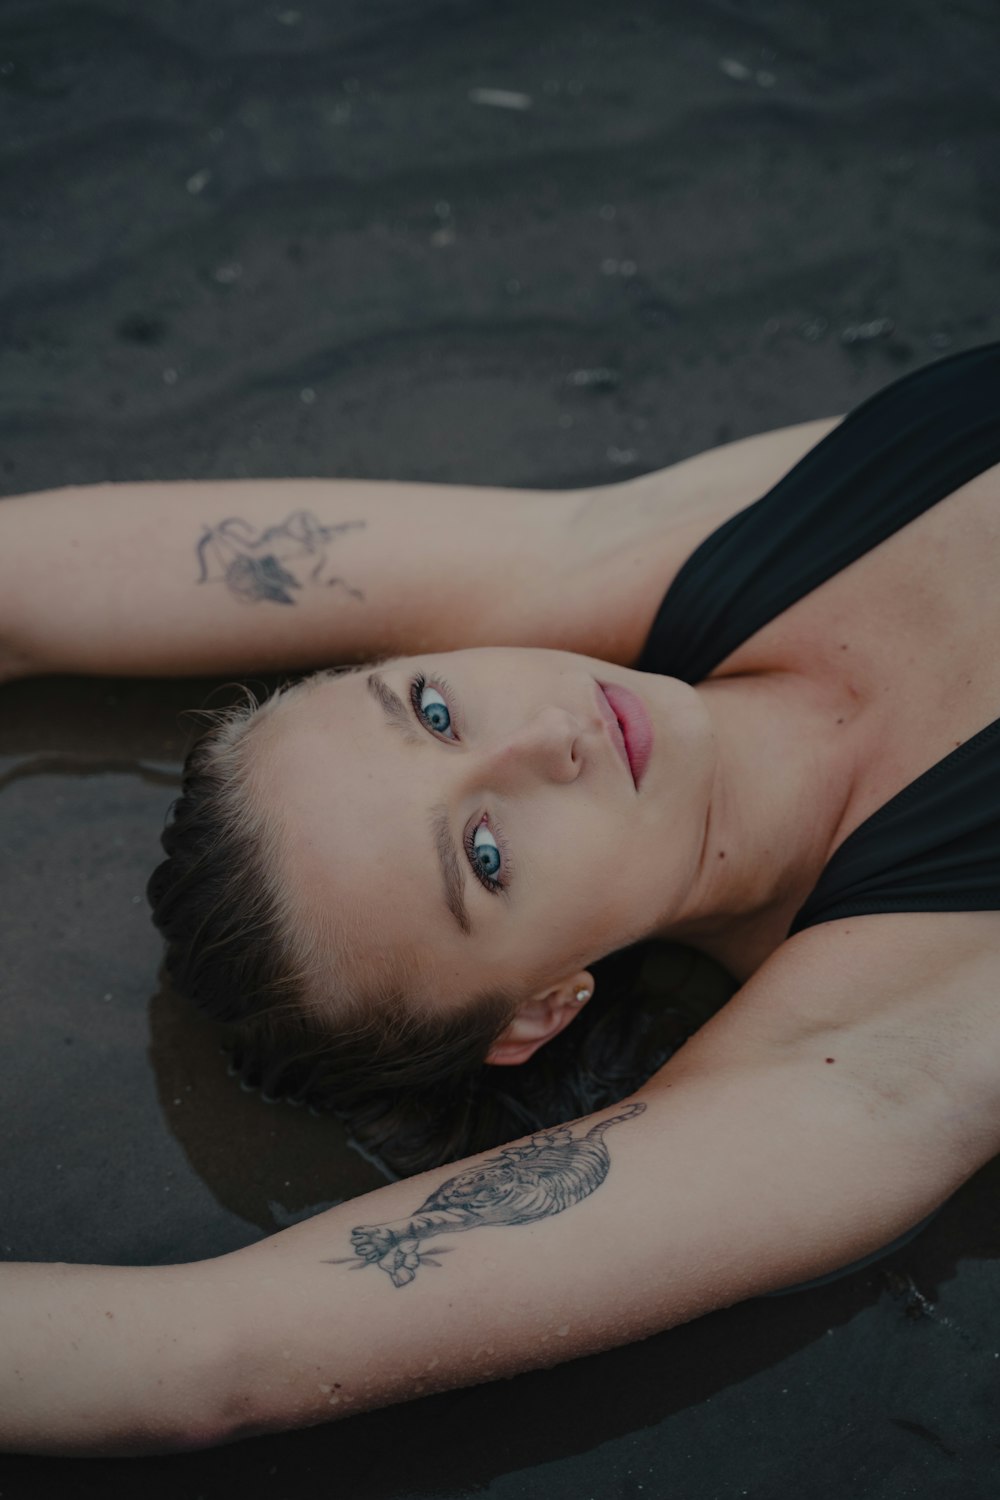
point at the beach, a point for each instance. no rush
(520, 246)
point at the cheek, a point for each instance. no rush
(586, 867)
(612, 878)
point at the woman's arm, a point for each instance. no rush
(256, 574)
(248, 575)
(748, 1164)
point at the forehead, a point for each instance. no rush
(351, 822)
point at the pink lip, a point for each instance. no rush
(632, 729)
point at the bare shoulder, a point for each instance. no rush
(573, 570)
(899, 1009)
(624, 543)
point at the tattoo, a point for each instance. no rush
(520, 1185)
(273, 563)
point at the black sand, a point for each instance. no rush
(242, 239)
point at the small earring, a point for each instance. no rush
(581, 996)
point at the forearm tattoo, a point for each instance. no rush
(275, 563)
(520, 1185)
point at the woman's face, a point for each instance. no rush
(468, 821)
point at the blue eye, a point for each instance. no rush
(485, 847)
(430, 706)
(435, 710)
(486, 854)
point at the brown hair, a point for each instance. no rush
(411, 1084)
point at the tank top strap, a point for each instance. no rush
(894, 457)
(935, 846)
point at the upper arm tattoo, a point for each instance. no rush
(274, 563)
(520, 1185)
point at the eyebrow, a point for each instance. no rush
(452, 873)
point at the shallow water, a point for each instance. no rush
(128, 1141)
(537, 246)
(141, 1080)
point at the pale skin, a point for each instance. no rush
(747, 1163)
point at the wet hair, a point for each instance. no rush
(411, 1084)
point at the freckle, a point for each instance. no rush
(109, 1314)
(722, 853)
(844, 647)
(831, 1059)
(840, 721)
(957, 743)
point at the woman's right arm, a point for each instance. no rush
(205, 576)
(747, 1164)
(702, 1193)
(192, 577)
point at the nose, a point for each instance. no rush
(546, 747)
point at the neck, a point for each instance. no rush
(786, 769)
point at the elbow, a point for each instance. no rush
(204, 1404)
(226, 1411)
(194, 1437)
(214, 1424)
(14, 663)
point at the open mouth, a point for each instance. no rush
(633, 725)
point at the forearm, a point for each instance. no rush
(319, 1322)
(111, 1360)
(243, 575)
(684, 1199)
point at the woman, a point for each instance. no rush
(790, 763)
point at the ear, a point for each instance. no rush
(539, 1020)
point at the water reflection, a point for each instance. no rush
(271, 1163)
(274, 1163)
(75, 766)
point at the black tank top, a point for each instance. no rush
(935, 846)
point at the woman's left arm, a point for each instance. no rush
(763, 1154)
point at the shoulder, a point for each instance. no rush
(897, 1009)
(621, 545)
(575, 570)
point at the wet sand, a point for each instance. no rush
(295, 241)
